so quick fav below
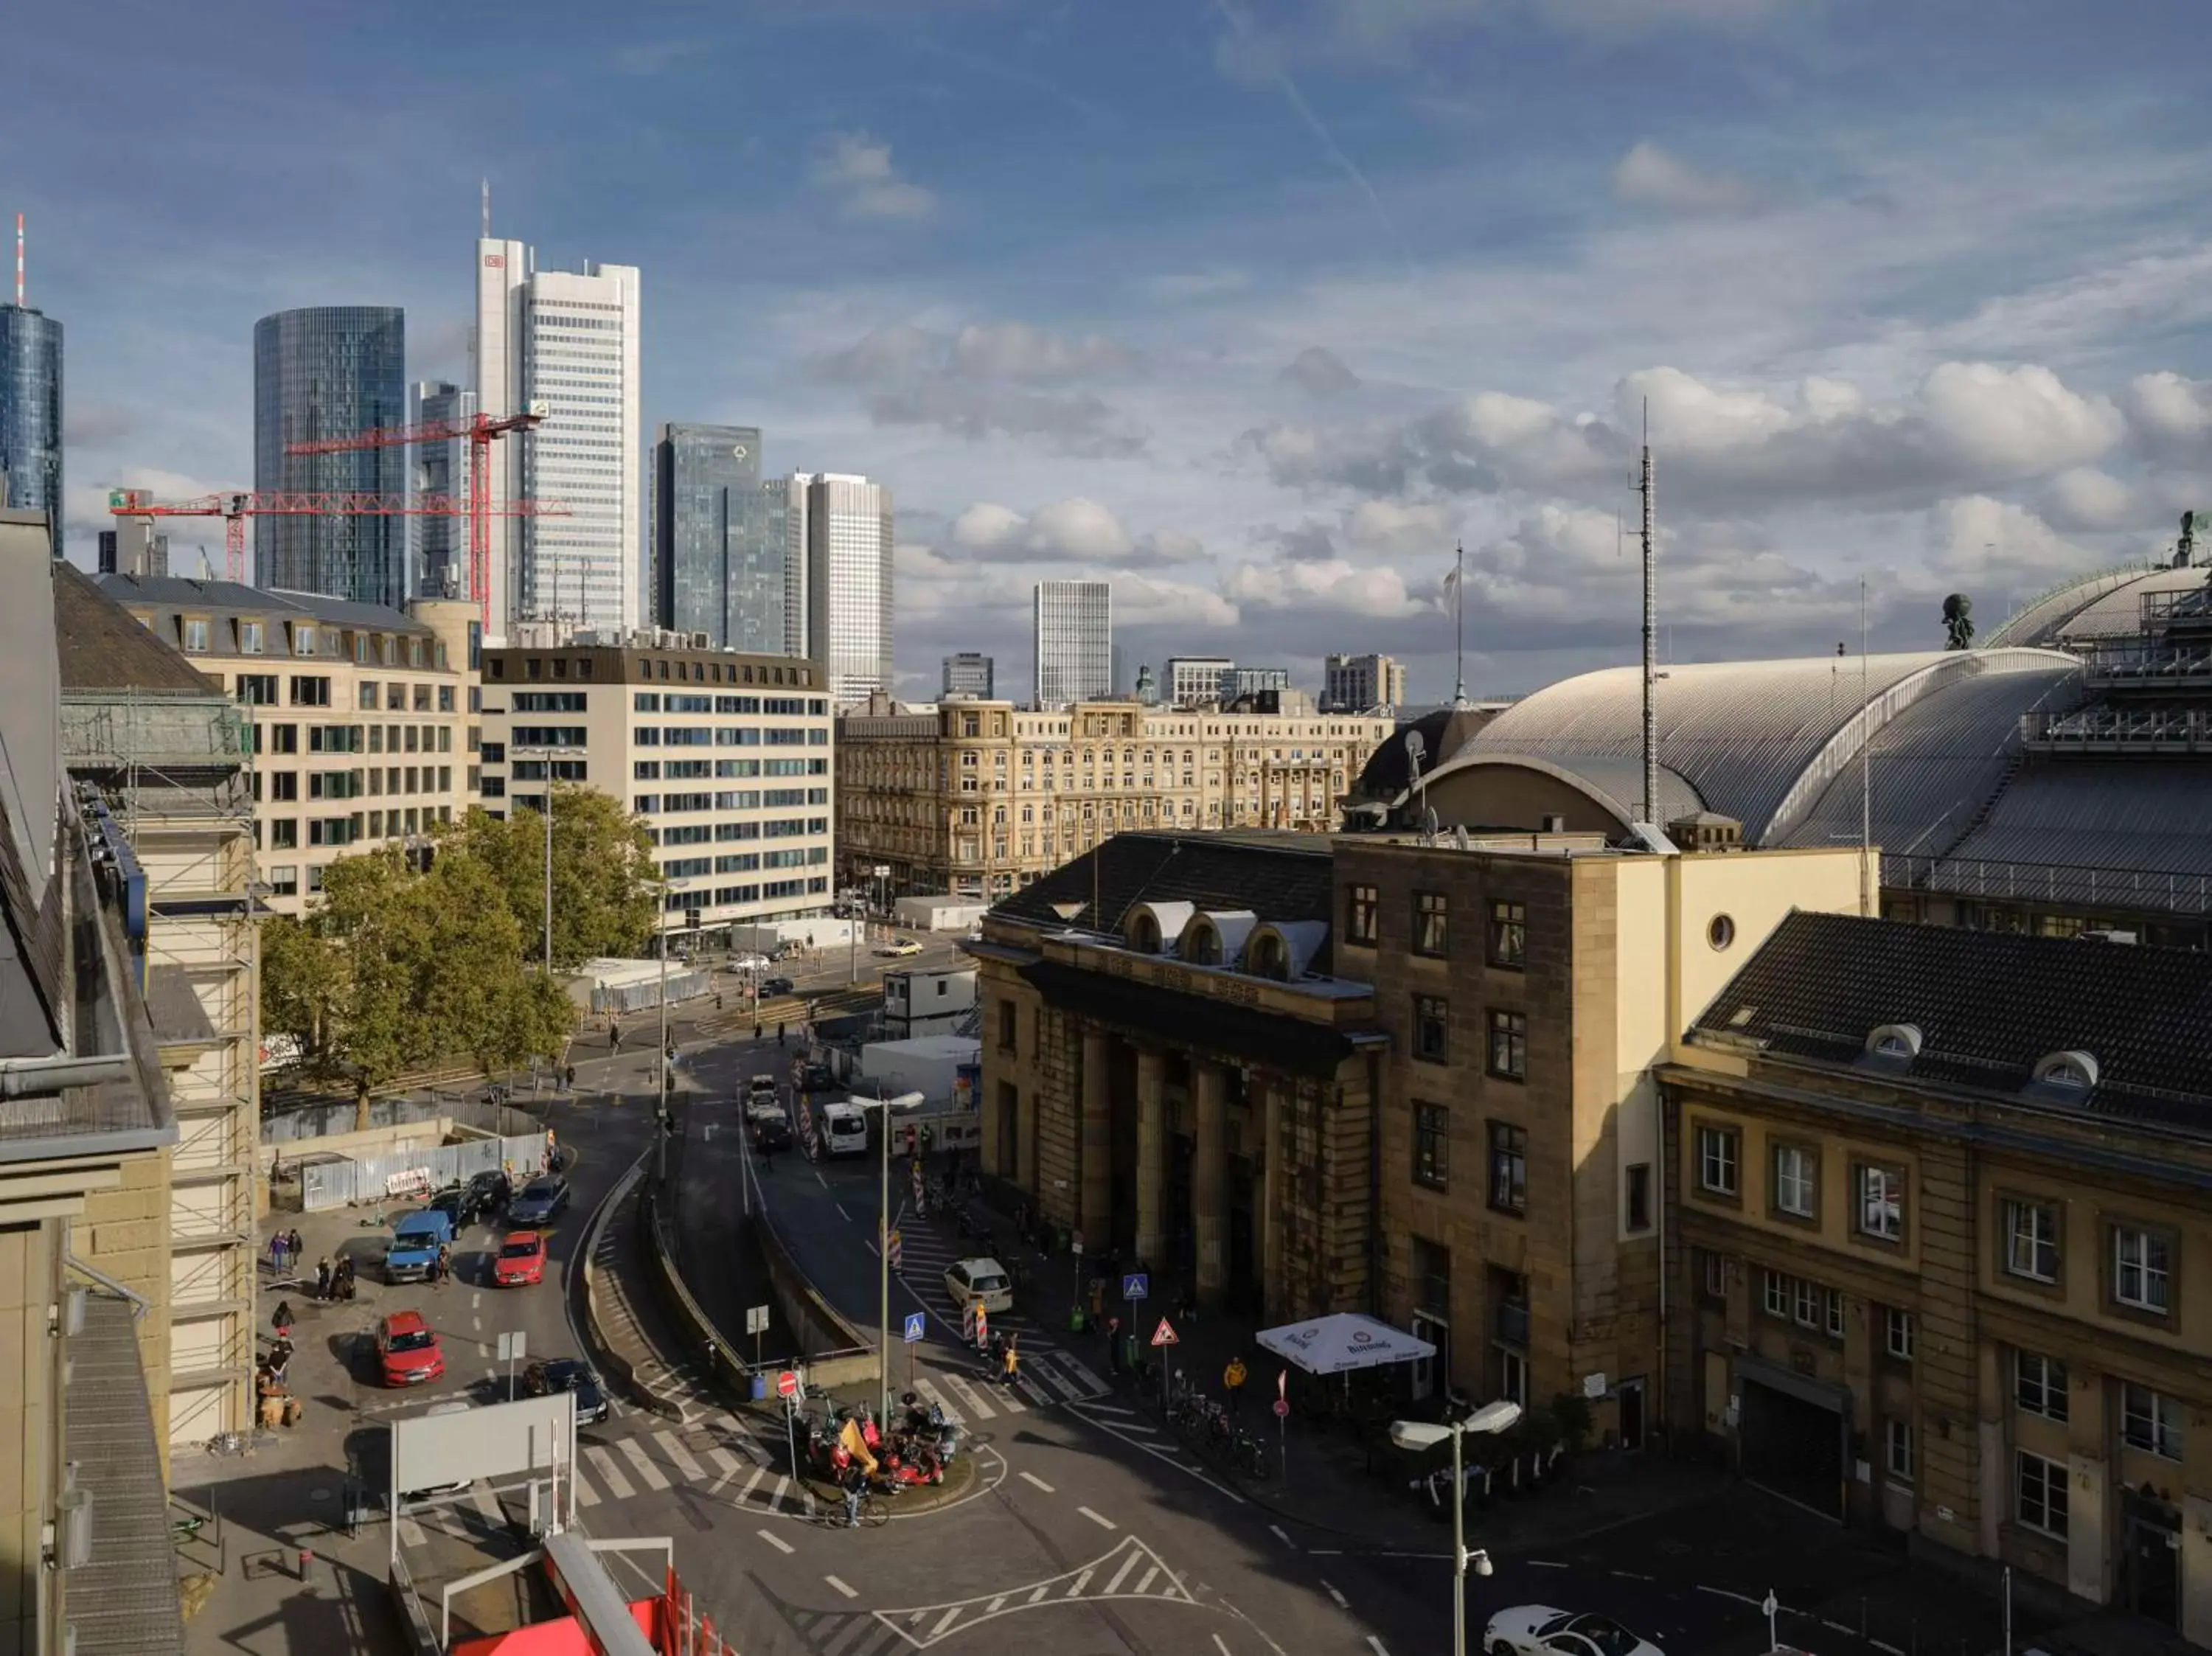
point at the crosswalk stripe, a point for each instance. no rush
(1071, 1390)
(977, 1409)
(609, 1474)
(586, 1494)
(634, 1453)
(752, 1483)
(411, 1533)
(928, 1390)
(1121, 1574)
(1037, 1393)
(487, 1503)
(1082, 1372)
(1009, 1402)
(679, 1457)
(1075, 1588)
(725, 1463)
(1146, 1586)
(783, 1483)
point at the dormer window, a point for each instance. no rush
(1205, 947)
(2067, 1073)
(1144, 934)
(1898, 1040)
(1270, 959)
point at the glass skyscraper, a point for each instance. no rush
(1074, 641)
(847, 532)
(328, 371)
(438, 548)
(721, 540)
(31, 414)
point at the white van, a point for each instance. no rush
(844, 1130)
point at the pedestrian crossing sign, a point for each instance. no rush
(916, 1325)
(1165, 1334)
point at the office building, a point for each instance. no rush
(721, 555)
(1238, 682)
(1355, 683)
(438, 548)
(133, 548)
(845, 524)
(331, 371)
(1072, 635)
(365, 726)
(980, 799)
(31, 412)
(1196, 680)
(569, 341)
(161, 759)
(970, 673)
(90, 1567)
(726, 756)
(1938, 1201)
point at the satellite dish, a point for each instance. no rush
(1416, 747)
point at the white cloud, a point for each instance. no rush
(857, 168)
(1016, 351)
(1978, 537)
(1074, 530)
(1330, 587)
(2169, 415)
(1183, 287)
(2083, 497)
(1320, 373)
(1647, 176)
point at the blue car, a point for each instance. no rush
(541, 1202)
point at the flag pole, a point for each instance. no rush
(1459, 625)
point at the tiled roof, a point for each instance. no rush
(1279, 876)
(1988, 1006)
(103, 646)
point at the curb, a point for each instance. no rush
(615, 1367)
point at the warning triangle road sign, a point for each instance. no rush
(1164, 1335)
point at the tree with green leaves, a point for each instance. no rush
(605, 882)
(398, 968)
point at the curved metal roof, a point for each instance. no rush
(2137, 818)
(2107, 604)
(1616, 784)
(1760, 740)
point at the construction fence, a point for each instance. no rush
(409, 1175)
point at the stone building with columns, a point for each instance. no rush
(1307, 1075)
(1941, 1203)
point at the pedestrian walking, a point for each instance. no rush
(445, 1266)
(323, 1277)
(1097, 1299)
(1013, 1361)
(1232, 1382)
(276, 1255)
(281, 1319)
(568, 1078)
(1114, 1344)
(614, 1036)
(779, 1034)
(294, 1249)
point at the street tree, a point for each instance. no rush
(605, 891)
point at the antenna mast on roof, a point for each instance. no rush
(1651, 608)
(1459, 626)
(487, 209)
(19, 261)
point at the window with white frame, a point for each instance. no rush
(2151, 1420)
(1716, 1160)
(2031, 1231)
(1805, 1302)
(1881, 1203)
(1832, 1300)
(1897, 1333)
(1715, 1269)
(1897, 1456)
(2141, 1270)
(2039, 1493)
(1775, 1293)
(1796, 1181)
(2038, 1384)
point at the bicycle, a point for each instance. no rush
(874, 1512)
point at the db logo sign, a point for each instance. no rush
(494, 261)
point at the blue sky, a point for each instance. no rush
(1255, 308)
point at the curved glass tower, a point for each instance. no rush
(31, 414)
(327, 371)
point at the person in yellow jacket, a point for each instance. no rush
(1232, 1381)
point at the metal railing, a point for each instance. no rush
(2159, 731)
(2132, 662)
(2151, 891)
(2192, 604)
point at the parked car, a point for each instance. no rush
(770, 988)
(1541, 1630)
(491, 1190)
(407, 1350)
(903, 948)
(520, 1260)
(979, 1282)
(816, 1077)
(416, 1239)
(567, 1374)
(844, 1130)
(541, 1202)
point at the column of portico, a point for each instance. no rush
(1096, 1205)
(1209, 1193)
(1152, 1153)
(1274, 1186)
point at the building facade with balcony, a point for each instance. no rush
(163, 762)
(1941, 1229)
(364, 724)
(979, 798)
(726, 756)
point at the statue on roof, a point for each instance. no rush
(1958, 621)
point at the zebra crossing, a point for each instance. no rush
(717, 1457)
(1047, 1378)
(1129, 1569)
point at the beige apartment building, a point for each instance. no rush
(365, 719)
(979, 798)
(725, 756)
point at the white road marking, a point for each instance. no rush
(488, 1504)
(475, 1299)
(609, 1474)
(752, 1483)
(1632, 1576)
(1146, 1584)
(1341, 1603)
(1378, 1646)
(819, 1180)
(634, 1452)
(725, 1463)
(1112, 1408)
(849, 1591)
(995, 1605)
(679, 1457)
(1836, 1627)
(970, 1398)
(411, 1533)
(1031, 1477)
(842, 1213)
(1009, 1402)
(1121, 1574)
(1100, 1519)
(1218, 1646)
(782, 1487)
(586, 1494)
(775, 1541)
(1722, 1593)
(1545, 1564)
(945, 1621)
(928, 1389)
(1075, 1589)
(1039, 1592)
(1066, 1388)
(1283, 1536)
(1083, 1373)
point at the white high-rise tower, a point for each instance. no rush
(845, 524)
(570, 343)
(1074, 638)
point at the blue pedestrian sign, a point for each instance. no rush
(1135, 1286)
(916, 1325)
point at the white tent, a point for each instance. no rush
(1339, 1343)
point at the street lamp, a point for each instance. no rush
(905, 1103)
(1491, 1418)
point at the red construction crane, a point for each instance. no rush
(478, 430)
(235, 508)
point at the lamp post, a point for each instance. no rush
(1491, 1418)
(904, 1103)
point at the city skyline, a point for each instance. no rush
(1935, 341)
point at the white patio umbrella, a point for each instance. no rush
(1338, 1344)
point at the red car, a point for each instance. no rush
(407, 1350)
(521, 1259)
